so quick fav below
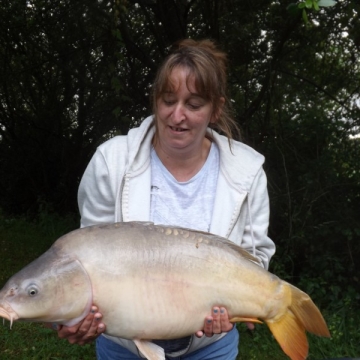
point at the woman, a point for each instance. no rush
(174, 169)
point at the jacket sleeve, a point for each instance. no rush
(100, 184)
(255, 238)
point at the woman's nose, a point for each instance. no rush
(179, 113)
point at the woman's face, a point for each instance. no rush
(182, 114)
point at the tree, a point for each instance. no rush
(57, 97)
(74, 74)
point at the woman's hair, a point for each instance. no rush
(208, 65)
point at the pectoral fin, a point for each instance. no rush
(150, 350)
(244, 319)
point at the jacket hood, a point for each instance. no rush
(242, 162)
(140, 137)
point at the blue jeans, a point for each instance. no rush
(224, 349)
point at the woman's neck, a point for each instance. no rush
(183, 165)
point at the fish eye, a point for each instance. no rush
(32, 291)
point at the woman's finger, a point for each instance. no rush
(226, 325)
(216, 324)
(86, 331)
(208, 326)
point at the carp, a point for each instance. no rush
(136, 272)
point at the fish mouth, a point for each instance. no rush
(8, 315)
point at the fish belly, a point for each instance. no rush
(168, 300)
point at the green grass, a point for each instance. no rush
(344, 343)
(21, 241)
(29, 341)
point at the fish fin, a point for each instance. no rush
(290, 329)
(291, 336)
(307, 313)
(150, 350)
(244, 319)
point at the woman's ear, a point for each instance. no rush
(217, 112)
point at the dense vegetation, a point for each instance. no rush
(73, 74)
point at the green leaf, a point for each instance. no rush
(326, 3)
(309, 4)
(293, 9)
(305, 17)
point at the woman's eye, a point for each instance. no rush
(194, 106)
(168, 102)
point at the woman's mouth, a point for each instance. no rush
(177, 129)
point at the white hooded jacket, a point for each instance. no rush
(116, 187)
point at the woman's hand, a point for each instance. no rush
(217, 323)
(84, 332)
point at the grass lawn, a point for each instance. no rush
(29, 341)
(22, 241)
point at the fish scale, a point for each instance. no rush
(157, 282)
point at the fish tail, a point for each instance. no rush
(289, 330)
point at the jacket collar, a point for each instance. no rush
(240, 164)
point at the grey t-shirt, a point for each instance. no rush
(187, 204)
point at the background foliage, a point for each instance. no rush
(74, 73)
